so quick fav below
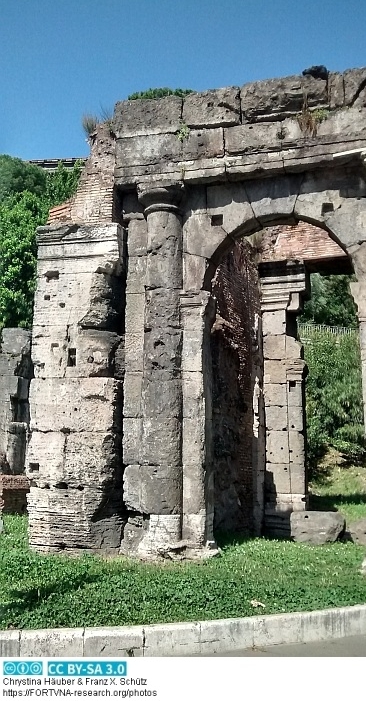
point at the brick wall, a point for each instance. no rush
(13, 494)
(236, 289)
(301, 241)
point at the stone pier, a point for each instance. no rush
(283, 289)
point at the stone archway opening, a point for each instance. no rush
(258, 389)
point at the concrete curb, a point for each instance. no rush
(186, 639)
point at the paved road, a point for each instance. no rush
(343, 647)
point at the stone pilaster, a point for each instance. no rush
(283, 286)
(153, 440)
(197, 311)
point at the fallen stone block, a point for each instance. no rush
(357, 530)
(317, 527)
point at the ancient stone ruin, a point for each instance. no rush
(168, 393)
(16, 371)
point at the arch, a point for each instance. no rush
(236, 211)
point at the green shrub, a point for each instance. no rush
(334, 409)
(156, 93)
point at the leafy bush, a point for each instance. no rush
(331, 302)
(334, 410)
(156, 93)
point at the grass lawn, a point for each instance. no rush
(339, 488)
(38, 591)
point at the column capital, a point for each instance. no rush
(163, 197)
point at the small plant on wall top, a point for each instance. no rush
(309, 121)
(183, 132)
(156, 93)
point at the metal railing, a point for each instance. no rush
(308, 329)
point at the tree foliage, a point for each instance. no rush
(18, 176)
(21, 211)
(155, 93)
(334, 410)
(331, 302)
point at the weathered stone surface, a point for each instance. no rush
(137, 237)
(212, 108)
(205, 143)
(317, 527)
(166, 269)
(336, 90)
(348, 222)
(357, 529)
(195, 243)
(76, 459)
(354, 82)
(281, 97)
(276, 418)
(162, 307)
(71, 352)
(278, 447)
(161, 441)
(16, 370)
(134, 316)
(134, 344)
(272, 199)
(163, 350)
(194, 272)
(232, 203)
(140, 117)
(148, 150)
(161, 396)
(13, 494)
(275, 395)
(132, 395)
(274, 347)
(136, 275)
(75, 404)
(274, 372)
(267, 140)
(350, 121)
(274, 322)
(88, 519)
(152, 489)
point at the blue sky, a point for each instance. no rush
(61, 59)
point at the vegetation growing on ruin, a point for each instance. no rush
(50, 591)
(26, 195)
(156, 93)
(309, 120)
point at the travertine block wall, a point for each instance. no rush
(74, 457)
